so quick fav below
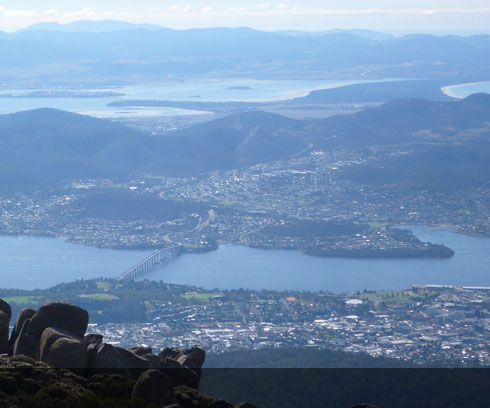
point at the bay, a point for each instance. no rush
(241, 90)
(37, 263)
(30, 262)
(234, 267)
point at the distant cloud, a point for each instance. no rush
(237, 9)
(177, 9)
(207, 9)
(263, 6)
(85, 12)
(282, 6)
(18, 13)
(51, 12)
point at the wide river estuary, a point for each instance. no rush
(28, 263)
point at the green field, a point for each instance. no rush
(226, 203)
(24, 300)
(200, 296)
(103, 285)
(376, 225)
(101, 296)
(398, 295)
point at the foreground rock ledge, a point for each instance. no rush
(49, 359)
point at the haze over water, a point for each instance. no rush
(243, 90)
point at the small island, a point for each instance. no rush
(239, 88)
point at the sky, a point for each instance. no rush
(395, 16)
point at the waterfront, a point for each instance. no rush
(464, 90)
(28, 263)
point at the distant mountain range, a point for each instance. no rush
(89, 26)
(443, 142)
(112, 52)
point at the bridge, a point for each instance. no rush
(160, 257)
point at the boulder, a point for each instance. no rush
(5, 308)
(154, 386)
(25, 314)
(170, 352)
(67, 353)
(105, 358)
(134, 364)
(48, 338)
(192, 358)
(141, 351)
(60, 315)
(180, 375)
(92, 339)
(26, 344)
(102, 357)
(4, 332)
(154, 360)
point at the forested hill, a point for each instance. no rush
(45, 146)
(378, 92)
(408, 120)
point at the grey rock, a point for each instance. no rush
(4, 332)
(67, 353)
(109, 359)
(93, 339)
(154, 360)
(181, 375)
(104, 356)
(26, 344)
(5, 307)
(134, 364)
(170, 352)
(192, 358)
(48, 338)
(153, 386)
(141, 351)
(25, 314)
(60, 315)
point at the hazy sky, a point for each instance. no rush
(440, 16)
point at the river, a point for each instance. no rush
(28, 263)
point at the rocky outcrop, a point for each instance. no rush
(47, 342)
(154, 386)
(54, 337)
(5, 315)
(60, 315)
(5, 308)
(25, 314)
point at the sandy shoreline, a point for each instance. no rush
(447, 89)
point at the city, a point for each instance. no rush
(443, 326)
